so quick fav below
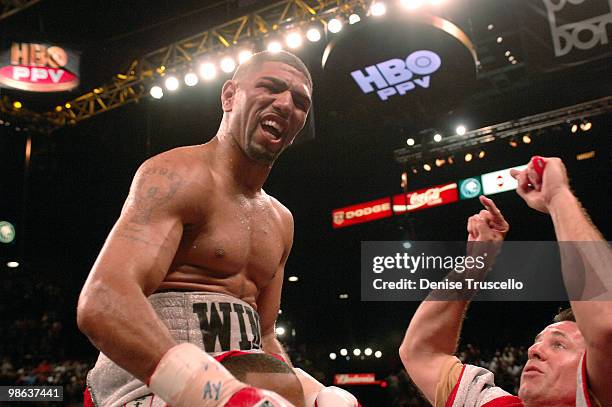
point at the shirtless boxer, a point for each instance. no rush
(569, 362)
(198, 253)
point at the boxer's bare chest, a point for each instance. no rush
(240, 242)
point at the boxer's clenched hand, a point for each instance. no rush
(540, 190)
(488, 225)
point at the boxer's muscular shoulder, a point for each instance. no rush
(285, 217)
(174, 180)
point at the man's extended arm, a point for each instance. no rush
(585, 252)
(268, 302)
(432, 336)
(113, 310)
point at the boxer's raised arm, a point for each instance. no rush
(113, 310)
(268, 302)
(432, 336)
(584, 255)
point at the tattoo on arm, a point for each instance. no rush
(155, 188)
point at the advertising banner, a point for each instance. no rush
(360, 213)
(425, 198)
(499, 181)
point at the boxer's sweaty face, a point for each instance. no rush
(549, 377)
(271, 105)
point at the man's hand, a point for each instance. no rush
(539, 191)
(488, 225)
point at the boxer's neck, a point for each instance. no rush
(230, 161)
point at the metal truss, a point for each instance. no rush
(417, 153)
(132, 84)
(10, 7)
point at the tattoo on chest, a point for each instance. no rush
(155, 188)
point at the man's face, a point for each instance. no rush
(549, 377)
(269, 109)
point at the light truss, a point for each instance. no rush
(417, 153)
(132, 84)
(10, 7)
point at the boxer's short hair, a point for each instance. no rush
(266, 56)
(565, 315)
(241, 365)
(266, 372)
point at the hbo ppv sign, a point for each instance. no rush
(397, 76)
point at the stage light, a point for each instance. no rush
(280, 331)
(357, 352)
(191, 79)
(412, 4)
(343, 352)
(294, 40)
(574, 128)
(586, 126)
(275, 46)
(482, 154)
(414, 170)
(343, 296)
(244, 56)
(513, 143)
(68, 105)
(507, 53)
(461, 130)
(410, 141)
(208, 71)
(58, 108)
(526, 139)
(511, 58)
(334, 25)
(490, 27)
(171, 83)
(378, 9)
(12, 264)
(313, 35)
(437, 137)
(293, 279)
(156, 92)
(585, 156)
(514, 62)
(367, 352)
(378, 354)
(440, 162)
(354, 18)
(450, 160)
(17, 105)
(332, 356)
(468, 157)
(228, 65)
(427, 167)
(500, 39)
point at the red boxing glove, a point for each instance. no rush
(333, 396)
(254, 397)
(538, 164)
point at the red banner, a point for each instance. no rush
(425, 198)
(360, 213)
(349, 379)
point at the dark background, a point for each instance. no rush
(80, 175)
